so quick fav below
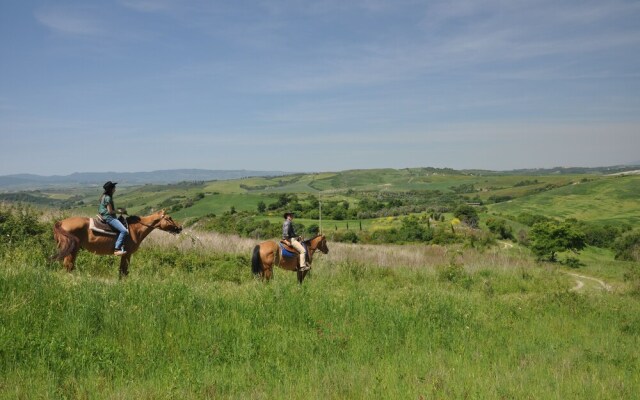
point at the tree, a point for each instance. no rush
(500, 228)
(313, 229)
(467, 214)
(313, 202)
(549, 238)
(261, 206)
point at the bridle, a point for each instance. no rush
(317, 246)
(154, 225)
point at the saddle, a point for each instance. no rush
(289, 251)
(98, 225)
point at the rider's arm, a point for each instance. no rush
(110, 209)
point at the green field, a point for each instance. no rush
(607, 200)
(473, 318)
(195, 324)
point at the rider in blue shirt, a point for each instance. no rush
(108, 213)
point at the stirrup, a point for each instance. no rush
(119, 252)
(304, 268)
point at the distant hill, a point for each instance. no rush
(19, 182)
(30, 181)
(576, 170)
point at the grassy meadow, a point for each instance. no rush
(607, 200)
(470, 319)
(370, 322)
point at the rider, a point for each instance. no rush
(289, 234)
(108, 213)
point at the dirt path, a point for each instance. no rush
(594, 283)
(580, 282)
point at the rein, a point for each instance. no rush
(308, 241)
(155, 224)
(143, 224)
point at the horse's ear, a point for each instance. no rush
(162, 212)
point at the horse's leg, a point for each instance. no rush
(124, 265)
(69, 261)
(267, 273)
(267, 259)
(302, 275)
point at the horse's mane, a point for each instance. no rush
(308, 241)
(133, 219)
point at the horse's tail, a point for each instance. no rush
(256, 263)
(67, 243)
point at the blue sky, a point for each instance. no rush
(324, 85)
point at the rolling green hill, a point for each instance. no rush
(590, 197)
(603, 200)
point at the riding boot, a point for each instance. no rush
(303, 266)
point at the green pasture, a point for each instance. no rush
(196, 325)
(297, 183)
(426, 179)
(220, 203)
(600, 262)
(605, 200)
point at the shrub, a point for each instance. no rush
(500, 228)
(531, 219)
(572, 262)
(412, 231)
(442, 236)
(384, 236)
(627, 246)
(243, 224)
(345, 237)
(454, 273)
(21, 229)
(19, 223)
(480, 240)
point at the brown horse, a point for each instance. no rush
(268, 253)
(73, 234)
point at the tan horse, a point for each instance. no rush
(268, 253)
(73, 234)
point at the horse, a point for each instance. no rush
(268, 253)
(72, 234)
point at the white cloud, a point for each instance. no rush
(70, 21)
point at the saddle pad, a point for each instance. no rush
(101, 227)
(286, 253)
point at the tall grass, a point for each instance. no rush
(411, 255)
(191, 322)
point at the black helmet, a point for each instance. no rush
(109, 185)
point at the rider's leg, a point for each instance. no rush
(303, 254)
(116, 224)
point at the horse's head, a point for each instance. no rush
(320, 243)
(167, 224)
